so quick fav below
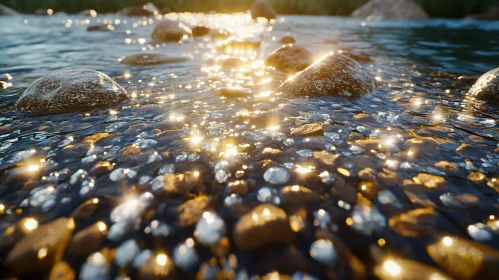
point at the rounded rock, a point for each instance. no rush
(487, 86)
(391, 9)
(199, 31)
(69, 91)
(103, 27)
(290, 59)
(148, 59)
(333, 75)
(263, 9)
(287, 40)
(168, 30)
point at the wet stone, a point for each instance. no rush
(391, 9)
(199, 31)
(41, 249)
(423, 221)
(263, 9)
(265, 225)
(192, 210)
(148, 59)
(313, 129)
(428, 180)
(290, 59)
(422, 146)
(333, 75)
(182, 184)
(232, 92)
(168, 30)
(136, 11)
(88, 240)
(6, 11)
(473, 151)
(69, 91)
(210, 229)
(465, 259)
(398, 268)
(487, 86)
(62, 271)
(102, 27)
(276, 175)
(287, 40)
(158, 267)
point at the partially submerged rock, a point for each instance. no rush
(102, 27)
(88, 13)
(41, 249)
(287, 40)
(487, 86)
(232, 92)
(311, 129)
(290, 59)
(147, 59)
(44, 12)
(333, 75)
(263, 9)
(137, 11)
(168, 30)
(239, 45)
(199, 31)
(70, 91)
(263, 226)
(391, 9)
(6, 11)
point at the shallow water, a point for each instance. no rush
(174, 122)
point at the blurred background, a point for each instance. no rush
(435, 8)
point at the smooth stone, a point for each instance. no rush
(391, 9)
(334, 75)
(487, 86)
(287, 40)
(182, 184)
(276, 175)
(40, 250)
(262, 9)
(473, 151)
(290, 59)
(147, 59)
(306, 130)
(199, 31)
(136, 11)
(88, 240)
(69, 91)
(6, 11)
(62, 271)
(88, 13)
(232, 92)
(465, 259)
(423, 221)
(422, 146)
(297, 196)
(168, 31)
(192, 210)
(42, 12)
(103, 27)
(398, 268)
(263, 226)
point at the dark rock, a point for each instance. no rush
(263, 226)
(88, 240)
(165, 10)
(6, 11)
(422, 146)
(473, 151)
(62, 271)
(41, 249)
(192, 210)
(44, 12)
(297, 196)
(391, 9)
(182, 184)
(199, 31)
(334, 75)
(232, 92)
(398, 268)
(311, 129)
(168, 30)
(69, 91)
(487, 86)
(287, 40)
(492, 14)
(360, 57)
(263, 9)
(147, 59)
(465, 259)
(423, 221)
(103, 27)
(290, 59)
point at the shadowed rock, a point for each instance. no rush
(146, 59)
(232, 92)
(312, 129)
(137, 11)
(168, 30)
(290, 59)
(287, 40)
(70, 91)
(88, 13)
(391, 9)
(487, 86)
(103, 27)
(492, 14)
(333, 75)
(263, 226)
(199, 31)
(263, 9)
(6, 11)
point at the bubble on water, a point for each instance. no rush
(268, 195)
(185, 255)
(126, 252)
(324, 252)
(276, 175)
(122, 173)
(209, 229)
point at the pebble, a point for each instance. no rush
(102, 27)
(307, 130)
(148, 59)
(290, 59)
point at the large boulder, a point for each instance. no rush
(290, 59)
(263, 9)
(333, 75)
(487, 86)
(147, 59)
(168, 30)
(391, 9)
(6, 11)
(69, 91)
